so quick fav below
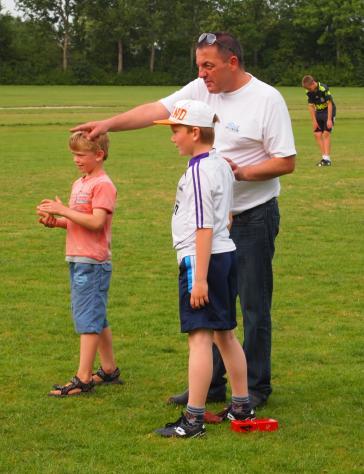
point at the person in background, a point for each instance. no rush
(322, 110)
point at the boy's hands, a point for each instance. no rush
(46, 211)
(46, 219)
(50, 206)
(199, 294)
(94, 221)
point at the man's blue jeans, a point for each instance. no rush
(254, 232)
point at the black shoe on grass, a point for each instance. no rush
(324, 163)
(230, 414)
(182, 428)
(241, 416)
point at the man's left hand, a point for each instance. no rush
(237, 170)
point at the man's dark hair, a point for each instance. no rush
(226, 44)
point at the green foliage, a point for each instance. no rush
(57, 15)
(28, 61)
(283, 74)
(5, 37)
(339, 25)
(317, 314)
(92, 41)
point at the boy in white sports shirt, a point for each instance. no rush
(207, 267)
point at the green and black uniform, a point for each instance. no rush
(320, 98)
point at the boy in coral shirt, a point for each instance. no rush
(87, 221)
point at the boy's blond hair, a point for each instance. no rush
(307, 81)
(78, 141)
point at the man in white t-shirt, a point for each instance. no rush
(255, 135)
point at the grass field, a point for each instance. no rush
(318, 344)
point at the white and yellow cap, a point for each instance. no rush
(190, 112)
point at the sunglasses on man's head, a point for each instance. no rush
(210, 39)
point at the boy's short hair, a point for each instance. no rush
(207, 134)
(78, 141)
(307, 81)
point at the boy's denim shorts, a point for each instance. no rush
(89, 291)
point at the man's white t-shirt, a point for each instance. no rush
(203, 201)
(254, 126)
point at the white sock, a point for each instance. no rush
(326, 157)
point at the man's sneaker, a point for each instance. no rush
(182, 428)
(257, 401)
(324, 163)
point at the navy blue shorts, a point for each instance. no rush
(321, 118)
(89, 291)
(220, 313)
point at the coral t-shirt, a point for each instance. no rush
(89, 193)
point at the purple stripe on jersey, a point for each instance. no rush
(194, 189)
(193, 161)
(197, 158)
(200, 194)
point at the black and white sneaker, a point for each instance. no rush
(182, 428)
(241, 416)
(230, 414)
(324, 163)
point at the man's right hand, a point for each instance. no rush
(93, 129)
(133, 119)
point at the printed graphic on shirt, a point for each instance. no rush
(320, 97)
(233, 127)
(82, 198)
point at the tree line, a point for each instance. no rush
(153, 41)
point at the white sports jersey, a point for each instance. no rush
(203, 200)
(254, 126)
